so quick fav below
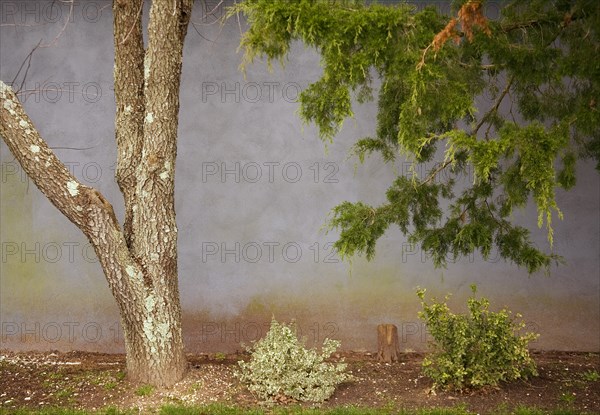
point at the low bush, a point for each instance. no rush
(481, 348)
(280, 366)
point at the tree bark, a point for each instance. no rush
(140, 261)
(129, 97)
(153, 102)
(388, 345)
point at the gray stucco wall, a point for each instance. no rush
(254, 187)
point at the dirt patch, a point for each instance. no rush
(92, 381)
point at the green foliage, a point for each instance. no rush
(568, 398)
(110, 385)
(280, 366)
(591, 376)
(534, 70)
(299, 410)
(144, 390)
(475, 350)
(68, 411)
(217, 409)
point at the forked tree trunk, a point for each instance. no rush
(140, 261)
(387, 341)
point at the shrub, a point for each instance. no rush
(280, 366)
(479, 349)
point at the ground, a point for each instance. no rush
(93, 380)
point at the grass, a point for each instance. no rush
(567, 397)
(66, 393)
(195, 387)
(65, 411)
(591, 376)
(110, 385)
(144, 390)
(220, 356)
(225, 410)
(229, 410)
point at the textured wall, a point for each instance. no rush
(254, 187)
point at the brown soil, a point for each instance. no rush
(92, 381)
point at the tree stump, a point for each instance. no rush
(387, 341)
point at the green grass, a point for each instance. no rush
(533, 411)
(144, 390)
(110, 385)
(66, 393)
(567, 397)
(65, 411)
(196, 386)
(220, 356)
(229, 410)
(591, 376)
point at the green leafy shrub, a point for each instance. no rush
(280, 366)
(479, 349)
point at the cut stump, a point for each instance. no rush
(387, 341)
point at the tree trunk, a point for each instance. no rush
(140, 261)
(388, 345)
(147, 95)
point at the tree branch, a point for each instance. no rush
(86, 207)
(129, 96)
(49, 174)
(154, 210)
(28, 60)
(62, 30)
(494, 109)
(435, 172)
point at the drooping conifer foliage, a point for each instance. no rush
(511, 99)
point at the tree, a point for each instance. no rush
(535, 64)
(140, 259)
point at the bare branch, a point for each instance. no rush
(237, 16)
(22, 24)
(200, 34)
(62, 30)
(75, 200)
(28, 60)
